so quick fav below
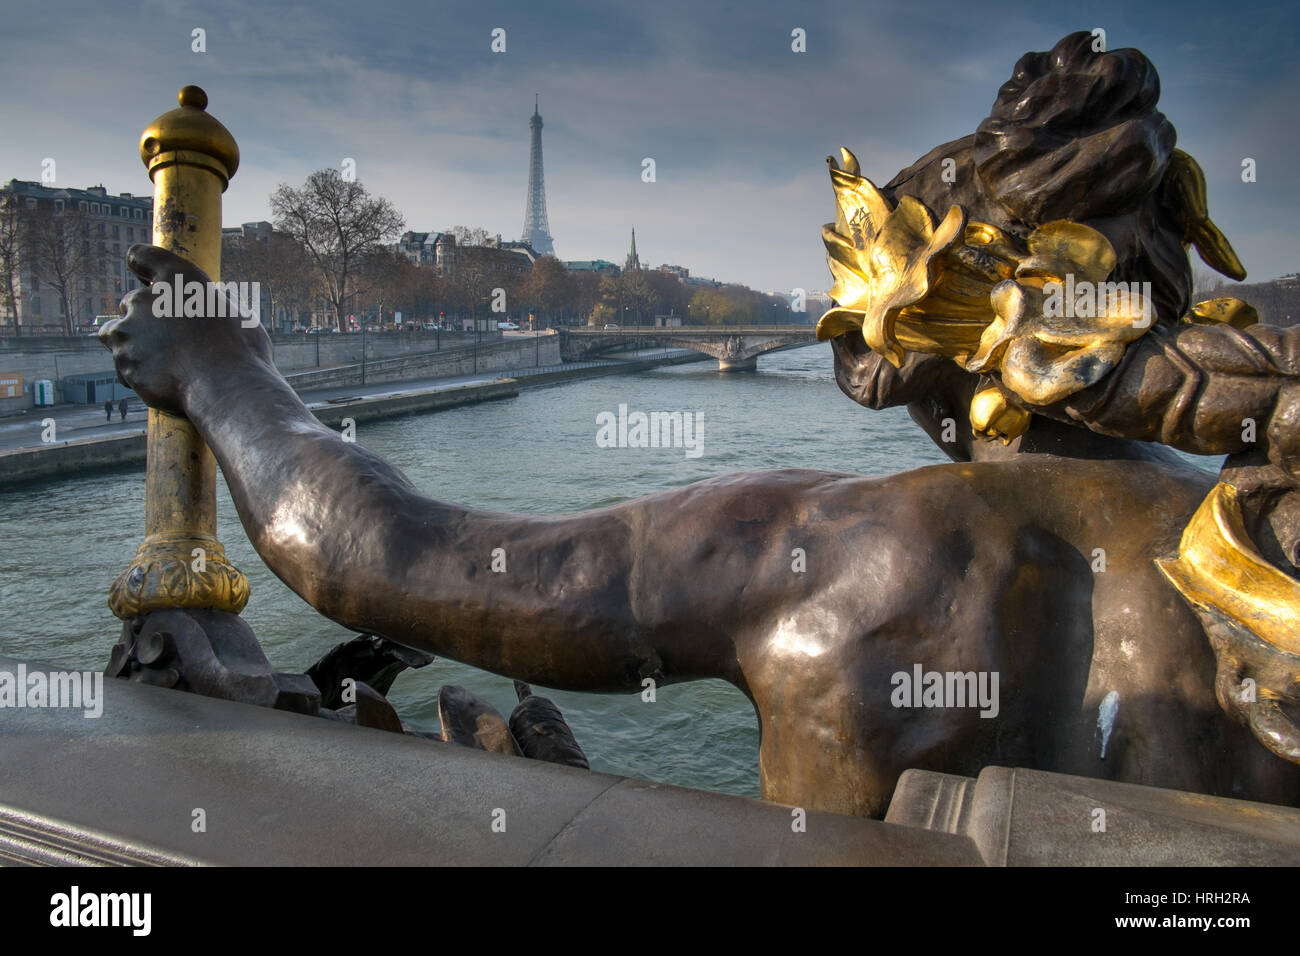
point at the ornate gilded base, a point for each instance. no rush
(178, 571)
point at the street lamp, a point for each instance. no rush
(365, 327)
(478, 325)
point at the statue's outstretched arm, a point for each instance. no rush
(596, 601)
(1203, 389)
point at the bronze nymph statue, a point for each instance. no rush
(986, 565)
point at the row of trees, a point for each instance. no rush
(298, 285)
(331, 254)
(335, 247)
(332, 251)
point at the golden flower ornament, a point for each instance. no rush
(1060, 326)
(1039, 312)
(904, 281)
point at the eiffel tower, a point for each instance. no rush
(537, 232)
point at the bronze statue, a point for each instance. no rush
(1033, 560)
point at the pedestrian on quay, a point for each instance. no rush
(108, 410)
(121, 408)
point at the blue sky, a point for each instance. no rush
(737, 123)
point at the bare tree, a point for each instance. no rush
(587, 293)
(279, 264)
(635, 296)
(480, 271)
(339, 224)
(1206, 284)
(549, 289)
(465, 236)
(401, 286)
(62, 254)
(10, 238)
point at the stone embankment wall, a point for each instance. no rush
(57, 357)
(75, 457)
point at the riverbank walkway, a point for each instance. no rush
(82, 440)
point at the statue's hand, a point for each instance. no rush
(162, 356)
(1257, 684)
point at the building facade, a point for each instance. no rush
(106, 226)
(436, 249)
(441, 251)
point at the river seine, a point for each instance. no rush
(68, 539)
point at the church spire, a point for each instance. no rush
(633, 263)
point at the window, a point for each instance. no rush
(94, 207)
(31, 204)
(130, 233)
(36, 305)
(125, 212)
(58, 205)
(83, 205)
(36, 284)
(117, 232)
(139, 214)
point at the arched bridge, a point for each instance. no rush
(736, 348)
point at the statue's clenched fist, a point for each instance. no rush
(162, 356)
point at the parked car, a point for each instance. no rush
(432, 327)
(610, 325)
(507, 327)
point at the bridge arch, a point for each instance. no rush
(736, 348)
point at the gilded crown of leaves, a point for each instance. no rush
(969, 291)
(903, 281)
(908, 281)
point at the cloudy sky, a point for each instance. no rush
(737, 123)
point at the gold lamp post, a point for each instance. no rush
(181, 564)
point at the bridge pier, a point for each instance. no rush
(738, 365)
